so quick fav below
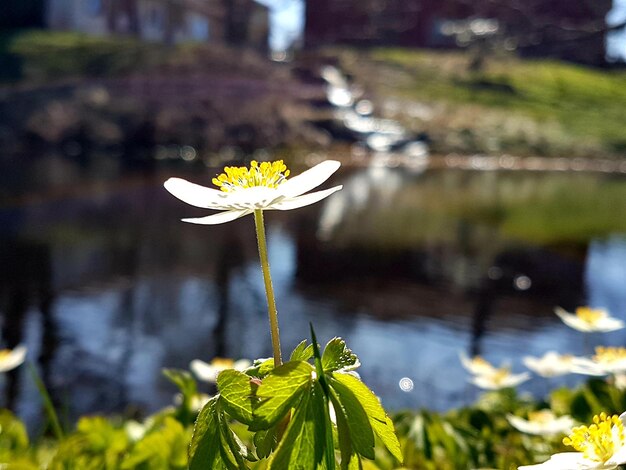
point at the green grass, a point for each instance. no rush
(579, 106)
(41, 56)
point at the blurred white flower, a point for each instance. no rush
(600, 446)
(12, 358)
(606, 360)
(619, 381)
(208, 372)
(542, 423)
(477, 365)
(135, 430)
(589, 320)
(197, 401)
(551, 364)
(263, 186)
(501, 378)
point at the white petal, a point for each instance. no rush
(301, 201)
(610, 324)
(572, 320)
(196, 195)
(219, 218)
(13, 359)
(565, 461)
(308, 179)
(203, 371)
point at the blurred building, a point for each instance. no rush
(238, 22)
(558, 28)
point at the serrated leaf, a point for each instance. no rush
(206, 449)
(361, 433)
(265, 442)
(300, 447)
(343, 432)
(182, 379)
(279, 391)
(380, 422)
(337, 356)
(238, 394)
(324, 442)
(236, 446)
(302, 352)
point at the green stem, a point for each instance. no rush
(269, 290)
(47, 403)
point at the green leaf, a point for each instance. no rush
(300, 447)
(238, 394)
(261, 367)
(337, 356)
(265, 442)
(324, 441)
(381, 423)
(343, 432)
(183, 380)
(302, 352)
(233, 450)
(210, 447)
(279, 391)
(361, 434)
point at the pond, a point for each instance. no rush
(411, 265)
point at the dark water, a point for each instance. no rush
(107, 287)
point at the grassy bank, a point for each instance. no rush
(526, 107)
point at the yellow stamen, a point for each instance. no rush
(266, 174)
(541, 416)
(4, 353)
(609, 354)
(223, 363)
(589, 315)
(599, 441)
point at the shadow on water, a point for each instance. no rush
(106, 286)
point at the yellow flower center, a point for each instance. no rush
(266, 174)
(222, 363)
(609, 355)
(4, 353)
(541, 416)
(599, 441)
(589, 315)
(500, 375)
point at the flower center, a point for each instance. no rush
(223, 363)
(266, 174)
(599, 441)
(541, 416)
(609, 355)
(4, 353)
(589, 315)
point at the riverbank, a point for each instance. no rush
(507, 105)
(75, 94)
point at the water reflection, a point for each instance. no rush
(108, 287)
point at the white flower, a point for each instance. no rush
(606, 360)
(501, 378)
(551, 364)
(589, 320)
(12, 358)
(209, 372)
(197, 401)
(601, 446)
(263, 186)
(542, 423)
(477, 365)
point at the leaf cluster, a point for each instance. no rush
(310, 413)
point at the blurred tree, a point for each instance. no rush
(123, 16)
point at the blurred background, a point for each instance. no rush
(483, 146)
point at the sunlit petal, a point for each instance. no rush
(309, 179)
(12, 358)
(196, 195)
(219, 218)
(305, 200)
